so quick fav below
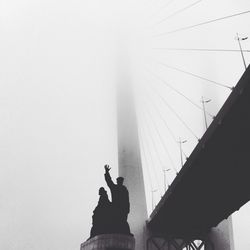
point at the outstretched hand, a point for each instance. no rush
(107, 168)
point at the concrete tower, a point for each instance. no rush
(129, 158)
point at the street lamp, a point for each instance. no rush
(204, 110)
(153, 191)
(165, 178)
(180, 144)
(241, 39)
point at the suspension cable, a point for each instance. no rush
(154, 145)
(165, 123)
(200, 24)
(162, 141)
(162, 7)
(152, 161)
(180, 93)
(200, 49)
(146, 161)
(177, 12)
(195, 75)
(176, 114)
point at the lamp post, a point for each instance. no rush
(153, 191)
(180, 144)
(241, 39)
(204, 109)
(165, 178)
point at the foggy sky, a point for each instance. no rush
(57, 103)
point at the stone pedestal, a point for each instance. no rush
(109, 242)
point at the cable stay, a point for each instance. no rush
(152, 161)
(157, 152)
(201, 50)
(179, 93)
(169, 130)
(162, 141)
(162, 7)
(176, 114)
(154, 146)
(150, 136)
(164, 121)
(146, 162)
(201, 24)
(147, 168)
(177, 12)
(197, 76)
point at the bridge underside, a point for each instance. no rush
(215, 180)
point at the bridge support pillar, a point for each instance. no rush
(129, 157)
(222, 236)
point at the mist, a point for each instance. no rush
(58, 76)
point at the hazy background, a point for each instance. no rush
(57, 104)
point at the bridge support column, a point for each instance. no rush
(129, 157)
(222, 236)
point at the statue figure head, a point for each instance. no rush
(119, 180)
(102, 191)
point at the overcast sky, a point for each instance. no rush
(57, 103)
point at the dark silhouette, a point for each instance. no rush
(120, 202)
(111, 217)
(102, 215)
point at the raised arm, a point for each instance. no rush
(108, 179)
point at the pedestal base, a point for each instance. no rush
(109, 242)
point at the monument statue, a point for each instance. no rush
(111, 217)
(120, 202)
(102, 215)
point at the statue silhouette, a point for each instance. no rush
(102, 215)
(111, 217)
(120, 202)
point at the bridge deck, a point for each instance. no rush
(215, 180)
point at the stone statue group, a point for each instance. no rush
(111, 217)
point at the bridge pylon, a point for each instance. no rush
(129, 157)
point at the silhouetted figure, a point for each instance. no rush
(102, 215)
(120, 202)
